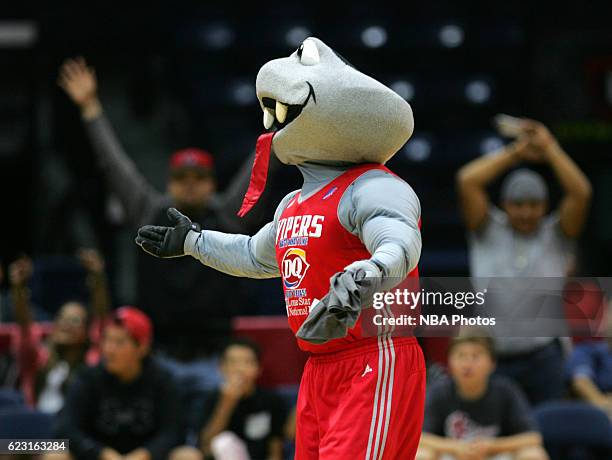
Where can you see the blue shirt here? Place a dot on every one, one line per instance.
(593, 360)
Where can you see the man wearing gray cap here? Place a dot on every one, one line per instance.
(521, 240)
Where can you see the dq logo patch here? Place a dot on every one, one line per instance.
(294, 267)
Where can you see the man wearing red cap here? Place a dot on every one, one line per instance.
(127, 406)
(183, 301)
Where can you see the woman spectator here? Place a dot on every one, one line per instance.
(47, 366)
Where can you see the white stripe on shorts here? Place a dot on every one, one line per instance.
(383, 394)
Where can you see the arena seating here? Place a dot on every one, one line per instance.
(25, 423)
(573, 430)
(10, 398)
(282, 361)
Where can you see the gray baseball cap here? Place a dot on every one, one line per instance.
(524, 185)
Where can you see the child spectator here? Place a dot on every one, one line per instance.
(126, 407)
(474, 415)
(239, 416)
(47, 367)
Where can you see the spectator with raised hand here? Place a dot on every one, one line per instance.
(190, 307)
(126, 407)
(474, 415)
(46, 367)
(522, 241)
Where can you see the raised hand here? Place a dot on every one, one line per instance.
(20, 271)
(166, 242)
(91, 260)
(79, 82)
(538, 135)
(525, 150)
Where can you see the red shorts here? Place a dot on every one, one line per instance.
(366, 402)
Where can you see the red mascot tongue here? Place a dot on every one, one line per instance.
(259, 173)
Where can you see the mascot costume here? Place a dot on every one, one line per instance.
(353, 228)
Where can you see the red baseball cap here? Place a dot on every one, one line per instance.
(191, 158)
(136, 323)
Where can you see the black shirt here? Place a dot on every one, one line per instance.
(501, 411)
(101, 411)
(191, 306)
(256, 420)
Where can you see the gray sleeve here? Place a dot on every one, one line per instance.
(137, 196)
(239, 255)
(383, 212)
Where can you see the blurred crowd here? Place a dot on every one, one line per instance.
(143, 382)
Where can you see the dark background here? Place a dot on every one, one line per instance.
(174, 74)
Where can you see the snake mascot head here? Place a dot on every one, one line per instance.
(320, 109)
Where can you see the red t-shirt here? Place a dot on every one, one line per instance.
(311, 246)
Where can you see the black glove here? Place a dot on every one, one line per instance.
(166, 241)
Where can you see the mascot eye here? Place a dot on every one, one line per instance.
(308, 53)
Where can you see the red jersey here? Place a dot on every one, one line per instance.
(311, 246)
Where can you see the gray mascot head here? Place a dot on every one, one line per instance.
(320, 109)
(324, 110)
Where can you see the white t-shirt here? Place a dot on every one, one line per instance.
(498, 251)
(51, 398)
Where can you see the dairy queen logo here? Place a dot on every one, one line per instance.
(294, 267)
